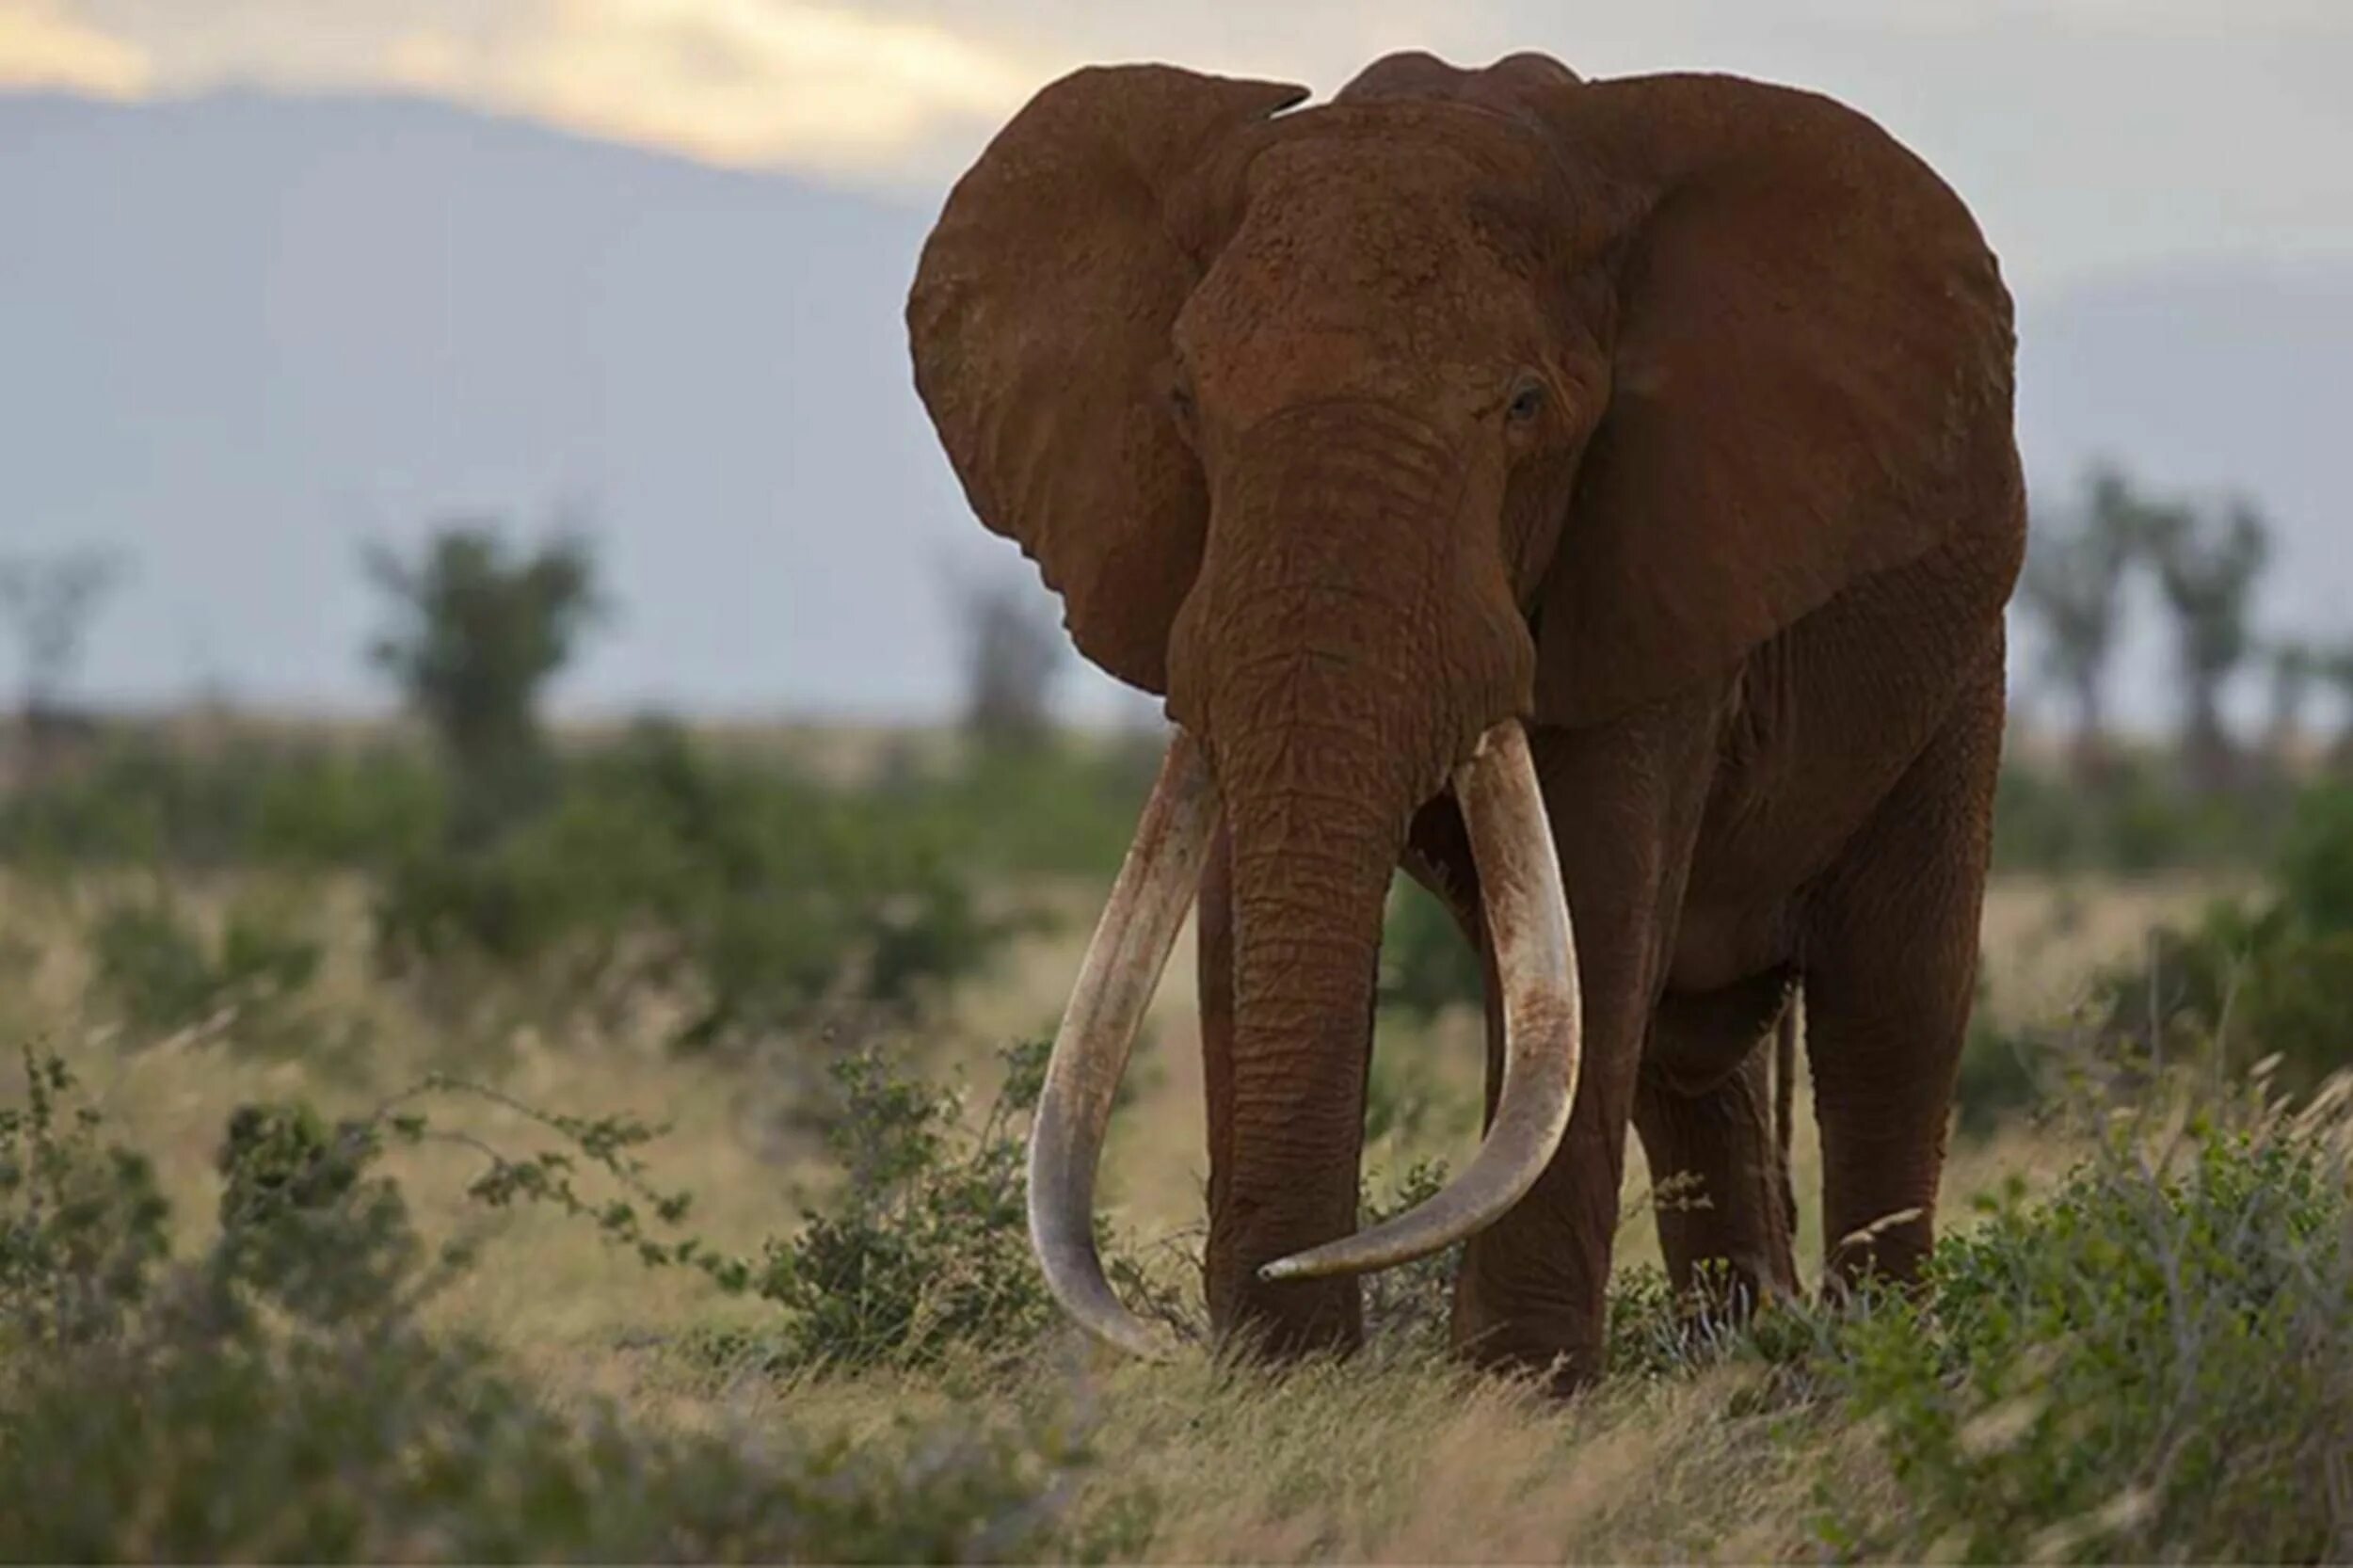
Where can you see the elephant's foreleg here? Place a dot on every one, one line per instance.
(1704, 1107)
(1624, 806)
(1891, 967)
(1213, 940)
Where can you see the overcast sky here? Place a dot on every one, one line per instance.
(2088, 134)
(2100, 142)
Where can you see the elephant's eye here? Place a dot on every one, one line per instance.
(1527, 402)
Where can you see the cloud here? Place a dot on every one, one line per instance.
(732, 81)
(42, 46)
(880, 91)
(2089, 133)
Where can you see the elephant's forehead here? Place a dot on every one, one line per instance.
(1400, 207)
(1339, 268)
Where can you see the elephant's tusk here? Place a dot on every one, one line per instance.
(1116, 982)
(1528, 920)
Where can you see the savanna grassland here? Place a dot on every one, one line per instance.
(638, 1179)
(459, 1141)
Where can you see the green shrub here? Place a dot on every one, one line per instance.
(926, 1251)
(2297, 1015)
(304, 1221)
(1650, 1332)
(2254, 983)
(2002, 1073)
(2143, 817)
(1409, 1104)
(83, 1228)
(2263, 982)
(145, 801)
(149, 961)
(762, 898)
(2315, 867)
(278, 1396)
(157, 972)
(1411, 1303)
(362, 810)
(1648, 1335)
(2151, 1363)
(1065, 807)
(1426, 965)
(2236, 987)
(182, 1445)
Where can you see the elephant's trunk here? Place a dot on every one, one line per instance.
(1312, 658)
(1315, 829)
(1526, 912)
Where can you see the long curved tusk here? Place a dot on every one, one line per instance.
(1116, 982)
(1528, 920)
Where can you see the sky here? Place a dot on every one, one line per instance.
(2099, 142)
(2091, 134)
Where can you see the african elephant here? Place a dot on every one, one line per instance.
(1599, 497)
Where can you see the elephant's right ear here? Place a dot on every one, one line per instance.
(1039, 321)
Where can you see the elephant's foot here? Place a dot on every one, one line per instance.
(1559, 1367)
(1881, 1254)
(1554, 1341)
(1283, 1322)
(1531, 1297)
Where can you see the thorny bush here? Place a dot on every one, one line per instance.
(278, 1394)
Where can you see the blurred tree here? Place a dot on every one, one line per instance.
(478, 631)
(2071, 586)
(1014, 657)
(49, 603)
(2295, 665)
(2334, 668)
(2208, 568)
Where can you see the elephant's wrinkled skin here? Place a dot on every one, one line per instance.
(1670, 416)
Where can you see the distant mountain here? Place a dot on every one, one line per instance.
(240, 334)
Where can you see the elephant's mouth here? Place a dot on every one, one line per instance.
(1527, 916)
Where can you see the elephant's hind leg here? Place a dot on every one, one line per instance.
(1891, 965)
(1720, 1171)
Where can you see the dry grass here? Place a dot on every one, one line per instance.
(1388, 1459)
(2044, 937)
(1410, 1464)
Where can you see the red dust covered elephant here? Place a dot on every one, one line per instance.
(1600, 498)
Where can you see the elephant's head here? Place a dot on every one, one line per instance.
(1368, 431)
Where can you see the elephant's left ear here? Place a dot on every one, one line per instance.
(1039, 323)
(1811, 382)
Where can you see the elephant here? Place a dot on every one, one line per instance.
(1599, 498)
